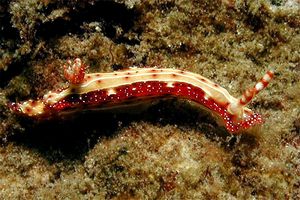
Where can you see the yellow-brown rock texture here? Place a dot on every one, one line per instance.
(171, 150)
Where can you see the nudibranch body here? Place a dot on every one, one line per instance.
(100, 90)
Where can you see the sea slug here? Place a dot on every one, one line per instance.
(105, 90)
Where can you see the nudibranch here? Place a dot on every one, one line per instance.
(104, 90)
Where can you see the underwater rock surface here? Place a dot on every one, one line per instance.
(171, 149)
